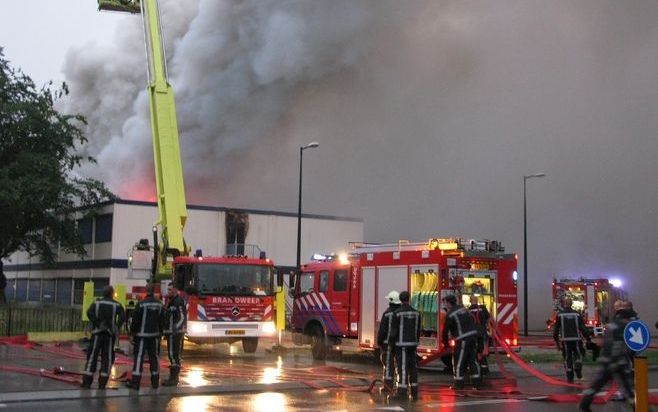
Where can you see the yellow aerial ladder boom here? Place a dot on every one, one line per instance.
(164, 130)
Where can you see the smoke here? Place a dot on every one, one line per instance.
(428, 115)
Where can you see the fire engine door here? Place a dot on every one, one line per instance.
(425, 298)
(367, 330)
(337, 295)
(389, 278)
(590, 305)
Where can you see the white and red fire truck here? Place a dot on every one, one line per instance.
(342, 297)
(593, 298)
(230, 298)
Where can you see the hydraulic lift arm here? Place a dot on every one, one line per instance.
(164, 129)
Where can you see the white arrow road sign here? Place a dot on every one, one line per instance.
(636, 336)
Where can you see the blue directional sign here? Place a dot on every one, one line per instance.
(636, 336)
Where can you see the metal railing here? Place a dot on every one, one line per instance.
(19, 319)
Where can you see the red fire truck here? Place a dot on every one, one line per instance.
(230, 298)
(343, 297)
(593, 298)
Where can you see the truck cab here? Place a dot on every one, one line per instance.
(325, 303)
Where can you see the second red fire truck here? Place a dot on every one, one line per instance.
(593, 298)
(342, 297)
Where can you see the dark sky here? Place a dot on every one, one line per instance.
(428, 115)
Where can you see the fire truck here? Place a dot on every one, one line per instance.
(593, 298)
(342, 298)
(230, 298)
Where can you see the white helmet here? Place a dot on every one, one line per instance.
(393, 297)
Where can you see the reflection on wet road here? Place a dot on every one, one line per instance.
(223, 378)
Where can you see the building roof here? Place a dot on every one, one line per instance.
(119, 201)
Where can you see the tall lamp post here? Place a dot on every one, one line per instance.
(525, 253)
(299, 210)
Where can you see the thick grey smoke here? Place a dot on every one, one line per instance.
(428, 115)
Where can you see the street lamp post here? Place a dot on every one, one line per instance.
(525, 253)
(299, 210)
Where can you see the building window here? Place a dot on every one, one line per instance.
(79, 288)
(324, 281)
(21, 290)
(103, 228)
(10, 290)
(63, 295)
(34, 290)
(99, 285)
(48, 291)
(85, 229)
(340, 281)
(78, 291)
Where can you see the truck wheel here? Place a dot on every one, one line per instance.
(318, 344)
(249, 345)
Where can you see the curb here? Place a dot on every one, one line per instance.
(42, 337)
(78, 394)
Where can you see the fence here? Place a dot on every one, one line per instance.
(19, 319)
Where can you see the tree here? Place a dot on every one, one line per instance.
(40, 193)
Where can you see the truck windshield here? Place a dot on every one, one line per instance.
(230, 279)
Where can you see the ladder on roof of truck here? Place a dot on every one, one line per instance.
(446, 244)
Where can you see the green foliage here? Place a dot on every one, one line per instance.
(39, 152)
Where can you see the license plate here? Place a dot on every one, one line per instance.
(234, 332)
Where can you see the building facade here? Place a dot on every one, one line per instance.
(112, 233)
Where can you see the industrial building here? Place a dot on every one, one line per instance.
(110, 235)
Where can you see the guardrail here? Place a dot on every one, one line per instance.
(19, 319)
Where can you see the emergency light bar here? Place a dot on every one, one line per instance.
(343, 258)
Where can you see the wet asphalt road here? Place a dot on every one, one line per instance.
(226, 379)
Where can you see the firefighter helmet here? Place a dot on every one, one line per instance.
(393, 297)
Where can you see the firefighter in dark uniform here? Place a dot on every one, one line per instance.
(481, 317)
(384, 343)
(614, 360)
(175, 328)
(405, 334)
(568, 331)
(459, 324)
(106, 316)
(146, 329)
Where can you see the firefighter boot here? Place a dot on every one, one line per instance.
(414, 391)
(173, 377)
(477, 383)
(155, 381)
(400, 395)
(102, 382)
(134, 382)
(86, 381)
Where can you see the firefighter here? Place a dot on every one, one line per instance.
(624, 308)
(405, 333)
(106, 317)
(459, 324)
(175, 328)
(614, 361)
(481, 317)
(384, 343)
(146, 329)
(568, 331)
